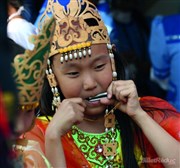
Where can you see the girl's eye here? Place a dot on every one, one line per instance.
(100, 67)
(72, 74)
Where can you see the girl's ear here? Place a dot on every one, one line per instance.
(114, 47)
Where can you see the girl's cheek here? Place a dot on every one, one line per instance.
(71, 89)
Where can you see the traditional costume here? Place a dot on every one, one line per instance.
(161, 111)
(28, 72)
(78, 26)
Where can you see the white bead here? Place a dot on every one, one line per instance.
(47, 72)
(75, 55)
(48, 61)
(58, 99)
(89, 51)
(109, 46)
(80, 54)
(62, 59)
(50, 71)
(114, 74)
(66, 57)
(84, 52)
(56, 90)
(106, 129)
(70, 56)
(52, 89)
(111, 55)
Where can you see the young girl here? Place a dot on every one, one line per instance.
(28, 73)
(97, 118)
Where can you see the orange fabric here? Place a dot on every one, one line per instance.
(38, 133)
(74, 157)
(162, 112)
(33, 156)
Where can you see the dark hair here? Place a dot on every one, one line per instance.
(15, 3)
(125, 123)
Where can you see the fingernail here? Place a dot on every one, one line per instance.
(109, 96)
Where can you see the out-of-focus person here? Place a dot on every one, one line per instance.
(130, 34)
(164, 48)
(28, 71)
(18, 28)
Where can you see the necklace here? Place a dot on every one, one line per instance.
(91, 145)
(101, 149)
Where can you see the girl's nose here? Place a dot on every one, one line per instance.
(89, 82)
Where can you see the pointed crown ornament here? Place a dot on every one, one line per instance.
(29, 68)
(78, 25)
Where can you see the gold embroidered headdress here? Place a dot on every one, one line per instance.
(78, 26)
(29, 68)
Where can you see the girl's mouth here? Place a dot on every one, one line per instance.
(97, 97)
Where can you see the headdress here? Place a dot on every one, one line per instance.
(29, 68)
(78, 26)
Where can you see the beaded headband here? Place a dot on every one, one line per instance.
(29, 68)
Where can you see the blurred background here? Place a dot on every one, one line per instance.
(163, 7)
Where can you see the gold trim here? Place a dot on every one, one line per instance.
(28, 106)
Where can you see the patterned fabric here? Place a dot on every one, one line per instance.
(161, 111)
(31, 155)
(91, 146)
(28, 68)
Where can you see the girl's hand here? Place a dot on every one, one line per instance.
(124, 91)
(69, 112)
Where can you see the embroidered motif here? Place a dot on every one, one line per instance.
(91, 144)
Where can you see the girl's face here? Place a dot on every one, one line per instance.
(23, 122)
(85, 77)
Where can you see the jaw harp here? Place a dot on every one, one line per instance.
(97, 97)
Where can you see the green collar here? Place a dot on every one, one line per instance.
(91, 146)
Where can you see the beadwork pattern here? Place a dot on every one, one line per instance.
(90, 145)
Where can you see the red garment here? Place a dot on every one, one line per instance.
(168, 118)
(74, 157)
(4, 125)
(162, 112)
